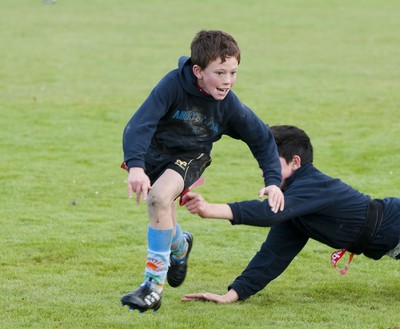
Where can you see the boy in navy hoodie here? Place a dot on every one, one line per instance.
(167, 145)
(316, 207)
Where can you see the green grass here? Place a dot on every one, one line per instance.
(72, 74)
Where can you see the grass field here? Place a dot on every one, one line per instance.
(71, 75)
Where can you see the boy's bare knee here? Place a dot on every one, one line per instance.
(152, 201)
(157, 200)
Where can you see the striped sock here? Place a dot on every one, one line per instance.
(179, 244)
(159, 248)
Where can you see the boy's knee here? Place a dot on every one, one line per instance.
(158, 199)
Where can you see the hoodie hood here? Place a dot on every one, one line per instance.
(187, 77)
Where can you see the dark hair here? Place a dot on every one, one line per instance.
(292, 141)
(208, 45)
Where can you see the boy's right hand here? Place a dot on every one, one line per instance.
(139, 183)
(195, 203)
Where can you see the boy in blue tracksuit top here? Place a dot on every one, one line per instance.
(316, 207)
(167, 145)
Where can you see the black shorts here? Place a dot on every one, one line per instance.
(189, 165)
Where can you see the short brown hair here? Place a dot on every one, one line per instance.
(208, 45)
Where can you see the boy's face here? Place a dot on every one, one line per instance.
(217, 78)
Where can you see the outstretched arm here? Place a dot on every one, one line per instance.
(196, 204)
(283, 243)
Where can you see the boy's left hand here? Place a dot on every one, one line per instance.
(276, 199)
(230, 297)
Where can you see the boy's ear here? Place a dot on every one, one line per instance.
(197, 71)
(296, 161)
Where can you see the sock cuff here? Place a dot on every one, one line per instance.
(159, 240)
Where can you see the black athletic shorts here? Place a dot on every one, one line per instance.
(189, 165)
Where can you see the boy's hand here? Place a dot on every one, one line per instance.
(139, 183)
(230, 297)
(276, 199)
(195, 203)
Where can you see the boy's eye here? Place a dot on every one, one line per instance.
(220, 74)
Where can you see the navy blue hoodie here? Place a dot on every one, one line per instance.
(177, 118)
(318, 207)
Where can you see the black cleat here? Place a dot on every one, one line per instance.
(143, 298)
(177, 269)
